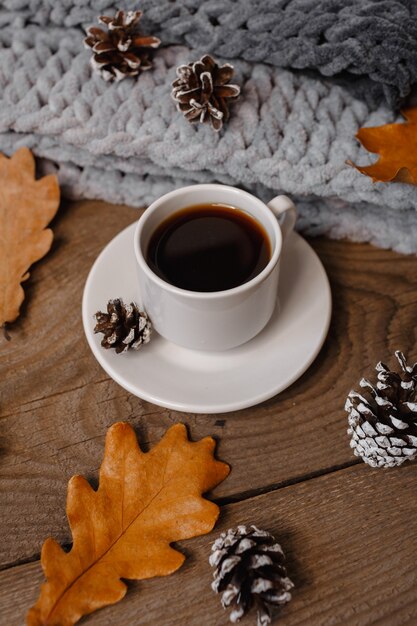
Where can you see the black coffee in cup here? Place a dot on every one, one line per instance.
(208, 247)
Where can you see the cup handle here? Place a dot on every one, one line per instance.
(284, 210)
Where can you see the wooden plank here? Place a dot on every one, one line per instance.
(350, 539)
(57, 403)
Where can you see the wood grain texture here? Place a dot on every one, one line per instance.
(57, 403)
(350, 542)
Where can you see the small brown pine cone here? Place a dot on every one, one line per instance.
(383, 419)
(250, 571)
(123, 326)
(120, 51)
(203, 93)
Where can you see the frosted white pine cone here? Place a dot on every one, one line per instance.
(383, 419)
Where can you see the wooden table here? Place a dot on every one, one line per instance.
(349, 531)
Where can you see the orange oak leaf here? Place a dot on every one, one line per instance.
(27, 205)
(124, 529)
(397, 146)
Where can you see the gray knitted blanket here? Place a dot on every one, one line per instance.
(126, 142)
(375, 40)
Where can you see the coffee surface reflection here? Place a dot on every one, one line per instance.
(208, 247)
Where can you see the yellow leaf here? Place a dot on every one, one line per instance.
(397, 146)
(123, 530)
(27, 205)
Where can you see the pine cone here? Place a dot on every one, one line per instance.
(121, 51)
(250, 571)
(383, 421)
(123, 326)
(202, 91)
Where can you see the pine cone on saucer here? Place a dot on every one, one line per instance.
(120, 51)
(249, 572)
(383, 419)
(202, 91)
(123, 326)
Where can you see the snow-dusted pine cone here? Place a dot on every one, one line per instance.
(203, 92)
(123, 326)
(120, 51)
(383, 419)
(250, 571)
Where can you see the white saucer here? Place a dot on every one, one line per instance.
(214, 382)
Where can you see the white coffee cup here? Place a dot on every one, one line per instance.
(216, 320)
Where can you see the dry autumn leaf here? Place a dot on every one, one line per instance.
(27, 205)
(123, 530)
(397, 146)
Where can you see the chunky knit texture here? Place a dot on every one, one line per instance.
(376, 39)
(126, 142)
